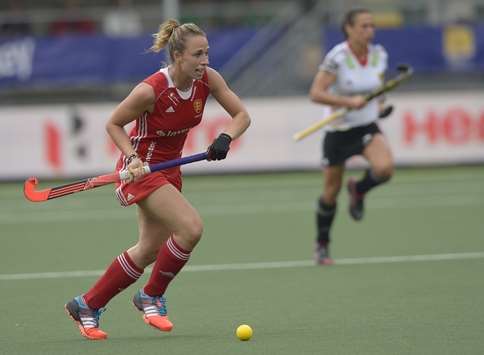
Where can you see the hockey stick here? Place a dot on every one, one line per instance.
(34, 195)
(405, 72)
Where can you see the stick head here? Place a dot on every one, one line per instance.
(404, 69)
(31, 194)
(387, 111)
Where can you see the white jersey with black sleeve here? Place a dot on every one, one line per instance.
(355, 78)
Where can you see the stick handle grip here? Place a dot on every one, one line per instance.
(124, 174)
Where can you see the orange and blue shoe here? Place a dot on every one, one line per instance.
(87, 319)
(154, 310)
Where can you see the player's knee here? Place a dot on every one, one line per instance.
(383, 172)
(193, 229)
(331, 192)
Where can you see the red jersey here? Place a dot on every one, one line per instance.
(160, 135)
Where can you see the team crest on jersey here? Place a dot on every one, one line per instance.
(197, 105)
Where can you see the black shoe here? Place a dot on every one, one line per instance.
(321, 255)
(357, 206)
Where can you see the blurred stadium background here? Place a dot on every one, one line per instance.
(65, 64)
(407, 280)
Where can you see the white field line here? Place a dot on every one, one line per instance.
(260, 265)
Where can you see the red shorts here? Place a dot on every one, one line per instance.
(136, 191)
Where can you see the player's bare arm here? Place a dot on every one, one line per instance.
(140, 100)
(319, 93)
(230, 102)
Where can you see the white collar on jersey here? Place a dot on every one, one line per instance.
(185, 95)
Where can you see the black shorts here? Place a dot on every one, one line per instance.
(338, 146)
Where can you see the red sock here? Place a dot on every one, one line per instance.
(120, 274)
(170, 260)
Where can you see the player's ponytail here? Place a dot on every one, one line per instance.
(165, 31)
(173, 35)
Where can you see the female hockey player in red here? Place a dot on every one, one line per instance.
(165, 106)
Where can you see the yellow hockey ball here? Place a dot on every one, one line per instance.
(244, 332)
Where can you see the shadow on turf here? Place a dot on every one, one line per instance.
(144, 338)
(116, 340)
(163, 337)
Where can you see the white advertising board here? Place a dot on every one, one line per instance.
(58, 141)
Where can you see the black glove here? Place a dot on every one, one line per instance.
(387, 111)
(219, 148)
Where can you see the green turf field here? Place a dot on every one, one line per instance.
(408, 279)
